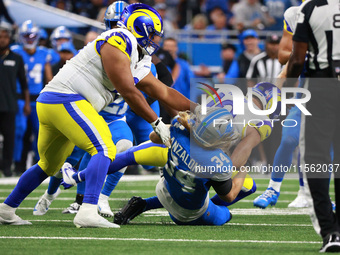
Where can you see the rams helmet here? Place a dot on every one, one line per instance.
(144, 23)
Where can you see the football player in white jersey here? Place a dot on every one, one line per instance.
(117, 62)
(187, 202)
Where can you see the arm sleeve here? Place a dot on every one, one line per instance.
(222, 188)
(22, 75)
(233, 70)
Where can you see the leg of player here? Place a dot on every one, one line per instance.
(122, 138)
(215, 215)
(53, 190)
(148, 153)
(249, 187)
(135, 207)
(282, 161)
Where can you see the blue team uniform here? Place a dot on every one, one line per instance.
(35, 69)
(184, 191)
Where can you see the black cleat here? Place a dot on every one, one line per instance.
(132, 209)
(331, 243)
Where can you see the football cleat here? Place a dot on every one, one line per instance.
(333, 206)
(331, 243)
(300, 201)
(269, 197)
(72, 209)
(132, 209)
(8, 216)
(44, 203)
(104, 206)
(88, 217)
(67, 171)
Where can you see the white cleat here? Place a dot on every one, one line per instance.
(88, 217)
(8, 216)
(104, 206)
(44, 203)
(300, 201)
(72, 209)
(67, 171)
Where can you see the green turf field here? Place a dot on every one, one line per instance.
(252, 231)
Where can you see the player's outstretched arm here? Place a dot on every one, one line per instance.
(285, 47)
(156, 89)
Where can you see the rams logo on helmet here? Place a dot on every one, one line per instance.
(144, 23)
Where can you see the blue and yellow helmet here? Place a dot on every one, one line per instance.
(29, 34)
(113, 13)
(264, 92)
(144, 23)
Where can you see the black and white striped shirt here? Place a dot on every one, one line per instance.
(263, 68)
(318, 24)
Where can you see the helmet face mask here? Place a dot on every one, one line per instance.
(29, 35)
(144, 23)
(113, 13)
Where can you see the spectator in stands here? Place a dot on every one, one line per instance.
(219, 20)
(168, 26)
(250, 41)
(185, 11)
(265, 66)
(249, 14)
(276, 9)
(230, 70)
(199, 22)
(181, 73)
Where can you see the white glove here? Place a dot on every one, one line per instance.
(162, 131)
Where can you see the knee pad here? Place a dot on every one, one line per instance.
(123, 145)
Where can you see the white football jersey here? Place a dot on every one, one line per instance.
(290, 19)
(84, 74)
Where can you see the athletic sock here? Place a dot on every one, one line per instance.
(95, 176)
(275, 185)
(111, 183)
(28, 182)
(53, 185)
(152, 203)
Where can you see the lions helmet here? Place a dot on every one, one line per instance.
(144, 23)
(215, 129)
(113, 13)
(264, 92)
(29, 34)
(59, 33)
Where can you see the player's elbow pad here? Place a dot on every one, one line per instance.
(164, 74)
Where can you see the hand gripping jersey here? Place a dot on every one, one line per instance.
(262, 123)
(84, 74)
(184, 190)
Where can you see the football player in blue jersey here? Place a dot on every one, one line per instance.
(59, 36)
(183, 190)
(38, 68)
(178, 183)
(116, 63)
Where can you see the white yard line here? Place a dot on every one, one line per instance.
(156, 240)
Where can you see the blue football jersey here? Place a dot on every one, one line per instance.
(35, 68)
(191, 168)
